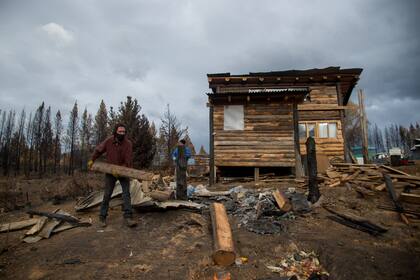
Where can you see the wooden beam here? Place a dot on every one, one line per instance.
(298, 158)
(181, 174)
(224, 253)
(256, 174)
(211, 145)
(121, 171)
(363, 125)
(410, 198)
(324, 107)
(343, 126)
(314, 194)
(394, 170)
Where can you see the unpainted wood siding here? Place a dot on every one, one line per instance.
(267, 138)
(321, 95)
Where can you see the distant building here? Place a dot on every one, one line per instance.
(415, 150)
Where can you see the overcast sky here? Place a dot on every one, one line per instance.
(160, 51)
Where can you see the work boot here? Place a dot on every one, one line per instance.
(102, 222)
(129, 222)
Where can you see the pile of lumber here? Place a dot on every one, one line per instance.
(366, 178)
(44, 225)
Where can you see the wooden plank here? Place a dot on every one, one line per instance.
(122, 171)
(404, 177)
(256, 174)
(394, 170)
(410, 198)
(224, 253)
(38, 226)
(17, 225)
(282, 201)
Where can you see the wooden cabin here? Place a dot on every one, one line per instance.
(260, 121)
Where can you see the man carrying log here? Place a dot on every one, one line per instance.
(119, 151)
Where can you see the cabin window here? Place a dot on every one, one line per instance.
(332, 130)
(327, 130)
(302, 131)
(317, 129)
(323, 130)
(233, 117)
(306, 130)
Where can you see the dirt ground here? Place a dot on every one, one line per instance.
(177, 244)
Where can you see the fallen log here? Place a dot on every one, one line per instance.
(282, 201)
(356, 222)
(17, 225)
(224, 253)
(160, 195)
(122, 171)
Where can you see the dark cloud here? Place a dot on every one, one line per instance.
(160, 51)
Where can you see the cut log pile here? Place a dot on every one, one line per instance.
(367, 178)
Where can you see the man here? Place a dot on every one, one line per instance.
(119, 151)
(181, 169)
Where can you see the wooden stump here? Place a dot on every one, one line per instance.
(224, 253)
(181, 174)
(314, 194)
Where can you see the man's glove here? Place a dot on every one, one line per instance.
(89, 164)
(115, 174)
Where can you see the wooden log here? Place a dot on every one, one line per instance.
(282, 201)
(314, 194)
(224, 253)
(17, 225)
(356, 222)
(393, 197)
(181, 174)
(160, 195)
(122, 171)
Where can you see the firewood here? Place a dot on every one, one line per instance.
(122, 171)
(282, 201)
(224, 253)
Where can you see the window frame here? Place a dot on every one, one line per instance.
(316, 124)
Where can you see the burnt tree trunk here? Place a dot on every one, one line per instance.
(181, 174)
(312, 170)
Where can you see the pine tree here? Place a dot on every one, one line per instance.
(47, 140)
(85, 138)
(58, 130)
(7, 139)
(72, 135)
(138, 131)
(101, 124)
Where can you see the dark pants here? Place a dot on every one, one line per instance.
(109, 188)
